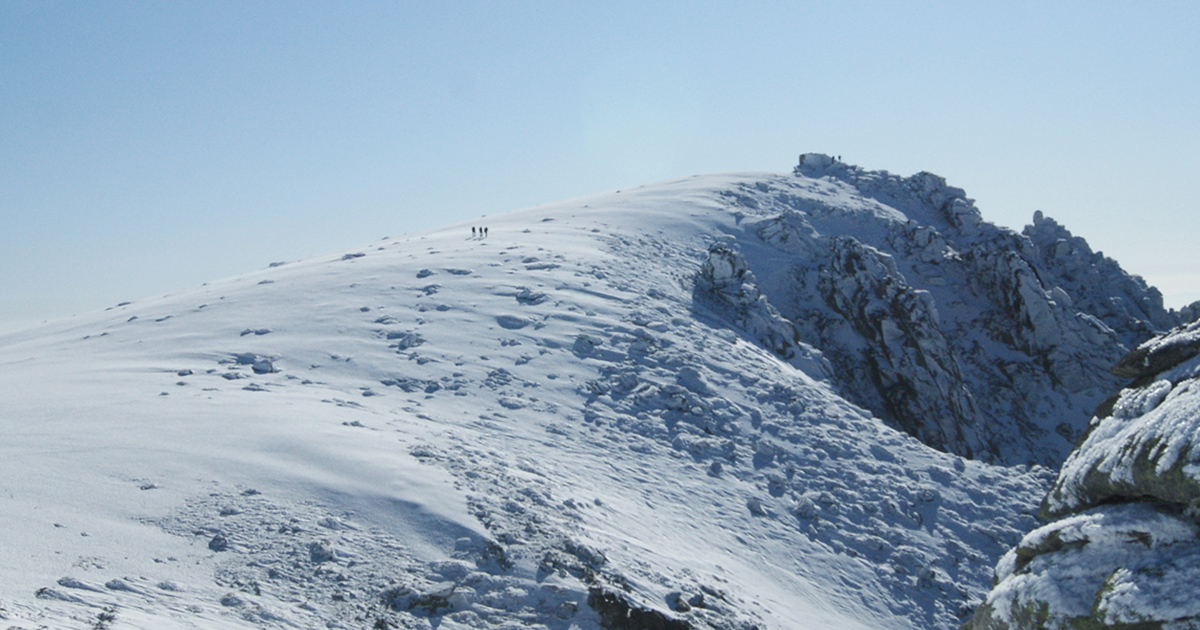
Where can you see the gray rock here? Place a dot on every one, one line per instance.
(1125, 552)
(1122, 567)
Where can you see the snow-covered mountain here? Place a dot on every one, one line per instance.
(732, 401)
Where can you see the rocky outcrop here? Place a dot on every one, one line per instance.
(726, 286)
(976, 339)
(1040, 321)
(1125, 552)
(1097, 283)
(909, 362)
(1145, 444)
(617, 614)
(1127, 567)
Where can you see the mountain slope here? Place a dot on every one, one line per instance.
(616, 411)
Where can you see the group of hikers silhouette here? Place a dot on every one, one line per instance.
(481, 232)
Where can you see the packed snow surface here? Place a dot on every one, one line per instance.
(572, 421)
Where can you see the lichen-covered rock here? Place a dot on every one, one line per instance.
(1146, 442)
(1126, 550)
(1129, 566)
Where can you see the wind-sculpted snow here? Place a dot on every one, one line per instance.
(653, 408)
(1126, 552)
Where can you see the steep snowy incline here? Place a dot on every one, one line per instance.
(593, 418)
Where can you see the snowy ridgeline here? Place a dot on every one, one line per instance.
(1126, 550)
(689, 405)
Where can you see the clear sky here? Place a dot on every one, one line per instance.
(148, 147)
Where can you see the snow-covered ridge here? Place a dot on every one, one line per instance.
(626, 406)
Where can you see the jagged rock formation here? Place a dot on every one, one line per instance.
(1068, 262)
(727, 285)
(1126, 550)
(976, 339)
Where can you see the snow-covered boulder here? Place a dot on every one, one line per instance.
(1128, 566)
(1126, 550)
(1145, 443)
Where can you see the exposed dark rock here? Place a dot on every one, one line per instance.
(616, 614)
(1151, 358)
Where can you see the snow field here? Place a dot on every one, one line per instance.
(459, 432)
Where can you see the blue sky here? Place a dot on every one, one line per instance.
(149, 147)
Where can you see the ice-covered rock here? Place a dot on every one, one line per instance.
(1145, 442)
(1126, 566)
(1125, 552)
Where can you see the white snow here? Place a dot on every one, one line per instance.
(467, 432)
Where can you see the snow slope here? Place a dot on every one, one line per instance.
(594, 417)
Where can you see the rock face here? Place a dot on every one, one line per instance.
(728, 286)
(1068, 262)
(976, 339)
(1126, 550)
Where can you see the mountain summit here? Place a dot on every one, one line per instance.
(833, 396)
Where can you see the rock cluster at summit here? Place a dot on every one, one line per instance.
(976, 339)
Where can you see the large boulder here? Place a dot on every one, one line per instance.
(1130, 566)
(1125, 552)
(1145, 442)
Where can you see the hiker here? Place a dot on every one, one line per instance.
(472, 230)
(484, 232)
